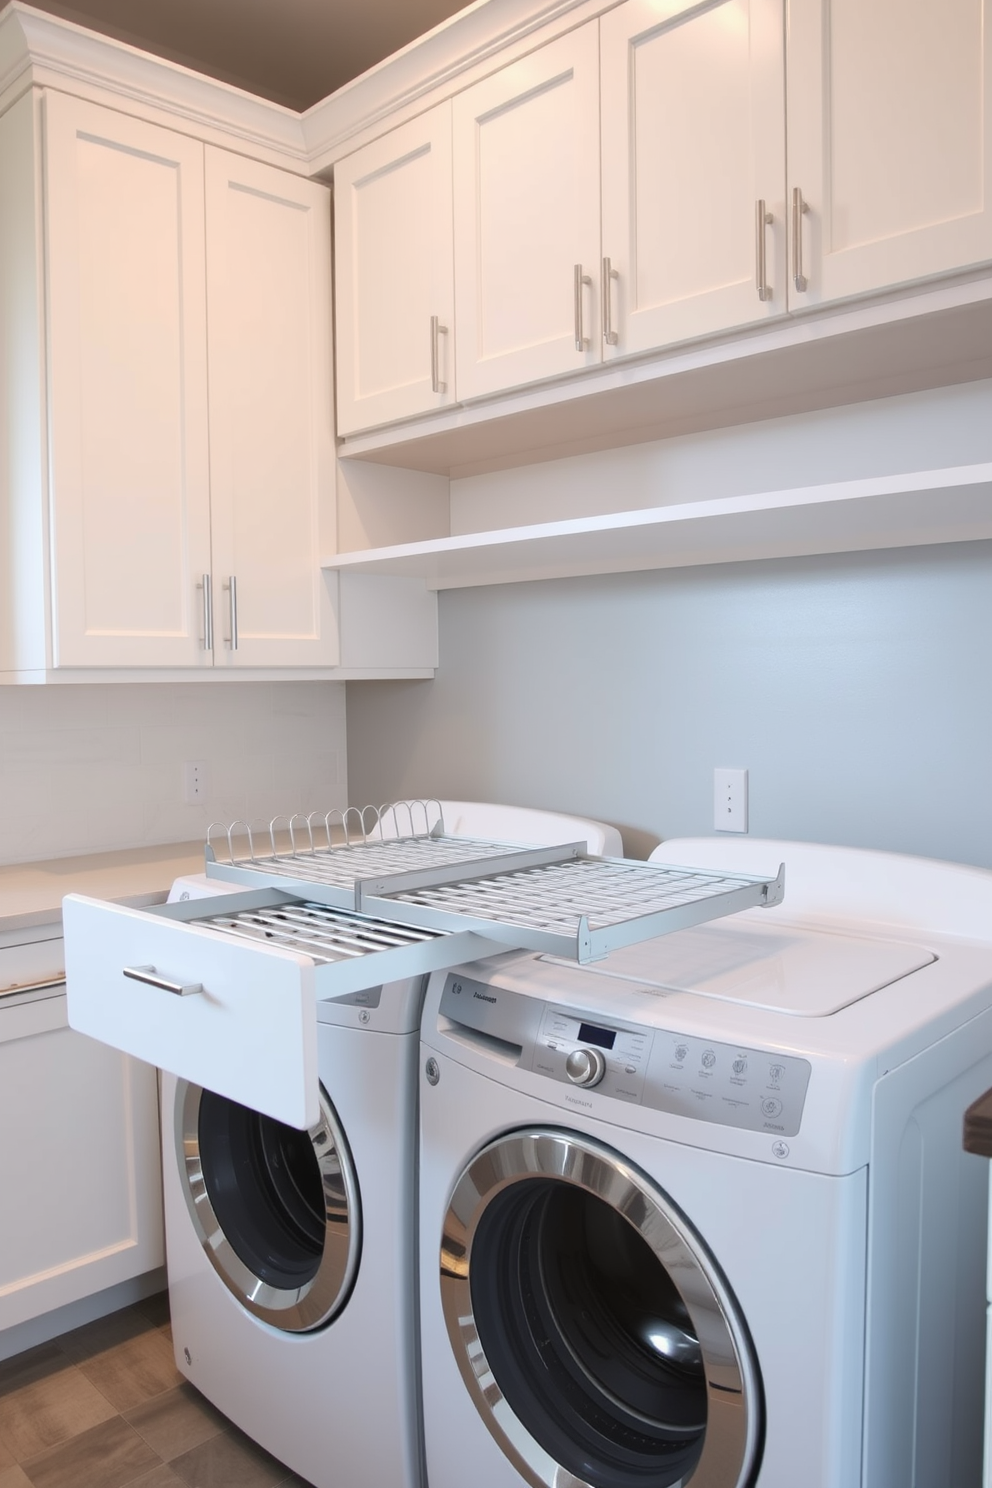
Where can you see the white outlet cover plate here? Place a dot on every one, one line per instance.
(729, 800)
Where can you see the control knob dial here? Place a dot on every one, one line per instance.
(585, 1066)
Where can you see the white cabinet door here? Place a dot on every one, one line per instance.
(79, 1169)
(271, 413)
(693, 139)
(890, 141)
(394, 275)
(128, 388)
(526, 208)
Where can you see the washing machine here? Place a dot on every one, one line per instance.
(290, 1252)
(289, 1129)
(697, 1213)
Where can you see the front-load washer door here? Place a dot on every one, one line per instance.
(277, 1210)
(595, 1334)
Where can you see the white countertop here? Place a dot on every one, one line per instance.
(31, 893)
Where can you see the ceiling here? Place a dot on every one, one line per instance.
(294, 52)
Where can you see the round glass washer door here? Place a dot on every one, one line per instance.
(595, 1334)
(276, 1210)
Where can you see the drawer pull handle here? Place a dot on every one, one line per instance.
(149, 975)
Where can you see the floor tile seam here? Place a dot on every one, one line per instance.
(219, 1431)
(111, 1385)
(25, 1465)
(146, 1473)
(148, 1400)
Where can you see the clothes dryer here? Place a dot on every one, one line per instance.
(698, 1213)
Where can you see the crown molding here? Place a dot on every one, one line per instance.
(434, 62)
(35, 47)
(44, 50)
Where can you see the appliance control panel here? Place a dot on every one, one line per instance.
(727, 1083)
(704, 1079)
(570, 1048)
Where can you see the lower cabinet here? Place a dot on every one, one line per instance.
(80, 1169)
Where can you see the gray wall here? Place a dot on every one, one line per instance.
(856, 689)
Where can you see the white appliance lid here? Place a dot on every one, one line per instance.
(785, 969)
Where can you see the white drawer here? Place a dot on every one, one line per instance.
(249, 1034)
(240, 1018)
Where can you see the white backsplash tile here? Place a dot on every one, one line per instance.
(92, 768)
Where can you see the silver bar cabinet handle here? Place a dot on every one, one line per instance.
(798, 208)
(437, 329)
(47, 984)
(208, 614)
(762, 219)
(609, 274)
(581, 341)
(151, 978)
(232, 587)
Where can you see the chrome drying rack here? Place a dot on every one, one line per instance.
(395, 863)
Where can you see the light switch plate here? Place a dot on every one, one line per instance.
(730, 800)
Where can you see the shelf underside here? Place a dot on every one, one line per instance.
(933, 338)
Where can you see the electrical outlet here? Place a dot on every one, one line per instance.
(730, 800)
(195, 782)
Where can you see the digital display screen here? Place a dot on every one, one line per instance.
(590, 1034)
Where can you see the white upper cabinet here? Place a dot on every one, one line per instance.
(187, 507)
(271, 429)
(128, 389)
(890, 142)
(394, 275)
(693, 104)
(526, 212)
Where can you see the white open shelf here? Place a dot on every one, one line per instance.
(925, 506)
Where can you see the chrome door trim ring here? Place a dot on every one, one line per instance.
(292, 1310)
(732, 1437)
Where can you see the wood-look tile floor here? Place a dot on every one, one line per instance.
(105, 1407)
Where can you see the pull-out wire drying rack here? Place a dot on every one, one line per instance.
(396, 864)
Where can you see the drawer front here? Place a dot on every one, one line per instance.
(37, 963)
(249, 1032)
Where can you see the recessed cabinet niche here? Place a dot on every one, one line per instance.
(185, 302)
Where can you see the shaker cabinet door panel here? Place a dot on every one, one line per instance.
(693, 138)
(394, 275)
(271, 429)
(890, 141)
(526, 208)
(128, 381)
(82, 1181)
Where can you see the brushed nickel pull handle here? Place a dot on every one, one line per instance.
(581, 341)
(208, 613)
(798, 208)
(232, 587)
(609, 274)
(437, 329)
(762, 219)
(151, 978)
(47, 984)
